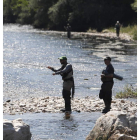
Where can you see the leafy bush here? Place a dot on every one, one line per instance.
(128, 92)
(134, 6)
(134, 32)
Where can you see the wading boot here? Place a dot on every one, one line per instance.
(105, 110)
(63, 110)
(67, 114)
(107, 106)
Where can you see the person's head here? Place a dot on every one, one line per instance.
(107, 60)
(117, 21)
(63, 59)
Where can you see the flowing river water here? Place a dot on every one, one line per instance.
(26, 54)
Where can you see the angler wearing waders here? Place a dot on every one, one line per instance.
(68, 29)
(66, 71)
(117, 26)
(107, 85)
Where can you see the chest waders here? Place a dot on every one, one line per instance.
(106, 88)
(117, 29)
(106, 94)
(68, 84)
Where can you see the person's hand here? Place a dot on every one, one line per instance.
(49, 67)
(102, 75)
(53, 74)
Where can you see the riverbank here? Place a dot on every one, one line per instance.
(130, 30)
(55, 104)
(87, 35)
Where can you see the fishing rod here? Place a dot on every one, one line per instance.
(23, 65)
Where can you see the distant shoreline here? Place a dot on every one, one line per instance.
(85, 35)
(108, 35)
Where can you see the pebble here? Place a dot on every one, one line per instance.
(8, 101)
(122, 101)
(55, 104)
(22, 105)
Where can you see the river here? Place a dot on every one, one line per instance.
(26, 54)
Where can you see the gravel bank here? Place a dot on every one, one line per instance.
(54, 104)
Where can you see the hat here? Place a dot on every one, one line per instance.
(107, 58)
(63, 58)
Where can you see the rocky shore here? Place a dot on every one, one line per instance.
(55, 104)
(91, 35)
(115, 125)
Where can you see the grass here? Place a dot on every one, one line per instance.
(130, 29)
(128, 92)
(90, 30)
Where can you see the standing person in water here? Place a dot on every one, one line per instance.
(66, 71)
(68, 29)
(107, 84)
(117, 27)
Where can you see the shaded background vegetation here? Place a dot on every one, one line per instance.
(81, 14)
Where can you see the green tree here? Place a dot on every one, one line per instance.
(134, 6)
(18, 6)
(40, 7)
(7, 12)
(59, 14)
(99, 14)
(81, 14)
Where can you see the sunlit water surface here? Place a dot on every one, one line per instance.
(26, 54)
(54, 126)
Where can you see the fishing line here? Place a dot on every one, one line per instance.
(22, 65)
(66, 48)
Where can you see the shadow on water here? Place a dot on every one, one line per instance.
(55, 126)
(117, 46)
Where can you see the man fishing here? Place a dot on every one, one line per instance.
(68, 29)
(107, 85)
(66, 71)
(117, 27)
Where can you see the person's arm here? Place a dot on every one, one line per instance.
(65, 27)
(110, 72)
(65, 70)
(51, 68)
(107, 76)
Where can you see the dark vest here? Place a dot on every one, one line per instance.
(64, 75)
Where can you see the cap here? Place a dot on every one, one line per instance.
(107, 58)
(63, 58)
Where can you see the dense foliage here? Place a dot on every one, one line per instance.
(81, 14)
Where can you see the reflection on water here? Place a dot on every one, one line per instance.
(54, 125)
(27, 53)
